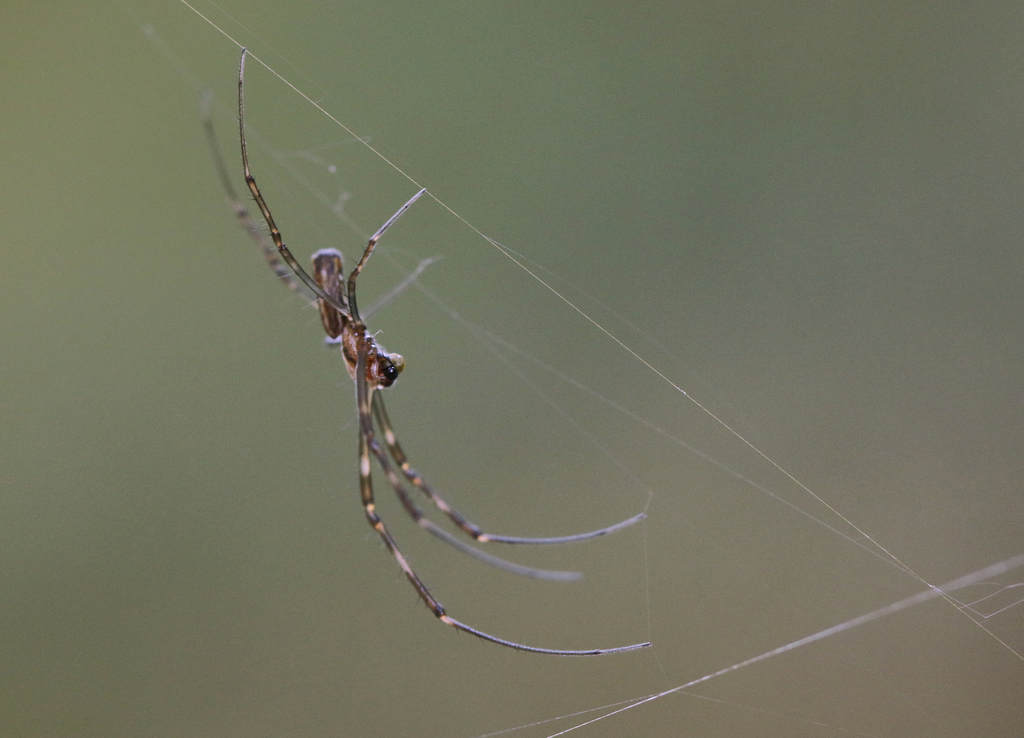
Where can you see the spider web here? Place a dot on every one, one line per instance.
(827, 529)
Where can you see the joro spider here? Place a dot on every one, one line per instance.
(373, 369)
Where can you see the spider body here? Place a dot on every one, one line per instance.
(382, 368)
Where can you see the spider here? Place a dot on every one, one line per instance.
(373, 369)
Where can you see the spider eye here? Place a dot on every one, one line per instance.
(389, 366)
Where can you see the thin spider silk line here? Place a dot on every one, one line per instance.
(929, 594)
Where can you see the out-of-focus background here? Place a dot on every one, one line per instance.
(807, 216)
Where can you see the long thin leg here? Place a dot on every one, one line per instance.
(270, 252)
(275, 233)
(471, 528)
(367, 444)
(369, 249)
(498, 563)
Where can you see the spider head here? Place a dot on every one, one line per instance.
(387, 369)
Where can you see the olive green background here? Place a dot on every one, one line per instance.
(806, 215)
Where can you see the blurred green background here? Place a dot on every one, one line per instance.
(806, 215)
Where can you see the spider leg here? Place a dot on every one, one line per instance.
(369, 249)
(248, 223)
(498, 563)
(468, 526)
(367, 444)
(275, 233)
